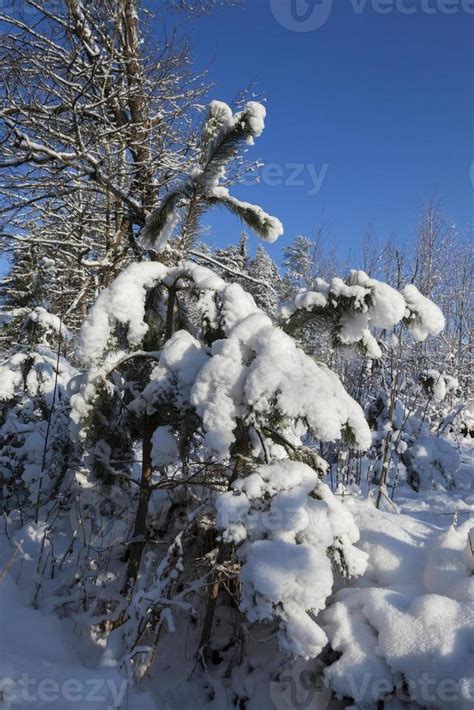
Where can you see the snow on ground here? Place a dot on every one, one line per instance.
(42, 662)
(406, 626)
(406, 629)
(40, 668)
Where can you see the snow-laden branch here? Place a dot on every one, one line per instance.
(353, 307)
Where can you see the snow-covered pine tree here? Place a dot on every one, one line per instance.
(233, 258)
(267, 290)
(229, 412)
(300, 263)
(31, 282)
(23, 286)
(227, 404)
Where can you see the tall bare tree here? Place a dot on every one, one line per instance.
(96, 125)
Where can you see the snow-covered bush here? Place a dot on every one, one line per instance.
(34, 416)
(432, 462)
(289, 527)
(464, 419)
(202, 427)
(376, 319)
(437, 384)
(417, 455)
(227, 408)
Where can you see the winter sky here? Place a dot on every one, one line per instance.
(370, 110)
(368, 114)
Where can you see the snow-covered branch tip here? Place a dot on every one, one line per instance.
(223, 137)
(352, 307)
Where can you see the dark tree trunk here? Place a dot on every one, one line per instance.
(139, 532)
(204, 643)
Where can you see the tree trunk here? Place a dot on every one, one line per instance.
(222, 556)
(139, 532)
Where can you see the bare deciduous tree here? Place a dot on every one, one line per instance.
(95, 125)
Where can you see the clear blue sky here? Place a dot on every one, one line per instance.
(384, 100)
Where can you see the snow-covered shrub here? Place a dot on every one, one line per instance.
(202, 425)
(417, 455)
(226, 407)
(289, 528)
(381, 322)
(431, 462)
(437, 384)
(34, 417)
(464, 419)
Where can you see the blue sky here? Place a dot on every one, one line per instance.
(384, 101)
